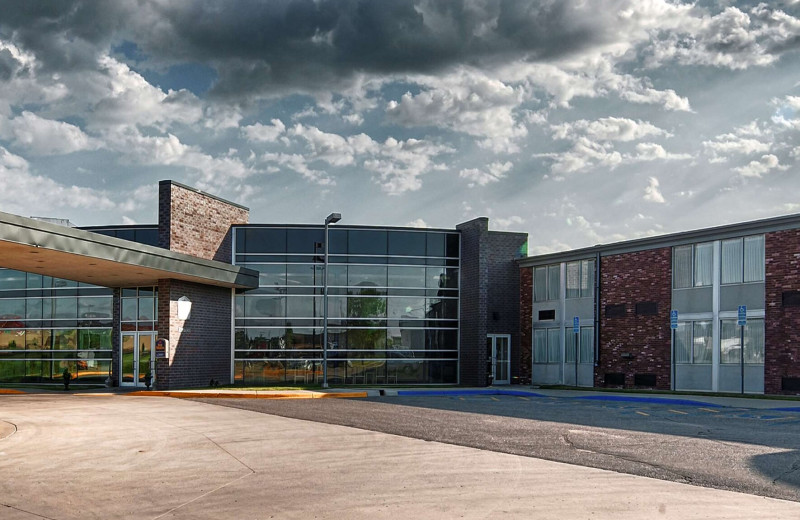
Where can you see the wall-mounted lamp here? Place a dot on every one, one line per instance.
(184, 308)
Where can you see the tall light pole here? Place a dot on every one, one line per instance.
(330, 219)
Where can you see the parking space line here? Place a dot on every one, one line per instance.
(678, 411)
(494, 398)
(524, 398)
(642, 413)
(709, 410)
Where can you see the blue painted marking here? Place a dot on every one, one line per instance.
(790, 409)
(654, 400)
(519, 393)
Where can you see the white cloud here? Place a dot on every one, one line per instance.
(729, 144)
(758, 168)
(48, 194)
(47, 137)
(607, 129)
(655, 152)
(417, 223)
(507, 223)
(493, 173)
(264, 133)
(652, 192)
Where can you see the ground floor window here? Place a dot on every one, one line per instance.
(547, 346)
(731, 339)
(693, 342)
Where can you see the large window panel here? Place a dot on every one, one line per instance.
(730, 342)
(683, 342)
(11, 279)
(540, 346)
(406, 277)
(304, 306)
(754, 259)
(570, 345)
(406, 308)
(303, 275)
(407, 243)
(265, 306)
(366, 242)
(754, 341)
(702, 342)
(366, 307)
(540, 284)
(65, 308)
(703, 264)
(366, 276)
(305, 241)
(682, 267)
(731, 261)
(269, 275)
(12, 308)
(553, 346)
(587, 345)
(553, 281)
(573, 280)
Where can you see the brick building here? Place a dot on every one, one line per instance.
(669, 312)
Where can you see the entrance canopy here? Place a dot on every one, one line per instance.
(74, 254)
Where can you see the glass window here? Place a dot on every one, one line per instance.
(265, 306)
(754, 259)
(441, 278)
(406, 308)
(309, 241)
(540, 346)
(407, 243)
(129, 311)
(587, 345)
(453, 245)
(337, 275)
(366, 339)
(12, 340)
(682, 267)
(37, 339)
(445, 309)
(540, 284)
(407, 277)
(94, 308)
(731, 261)
(703, 264)
(553, 346)
(260, 240)
(65, 308)
(304, 274)
(13, 307)
(569, 346)
(304, 307)
(702, 342)
(366, 307)
(366, 275)
(65, 339)
(94, 339)
(10, 279)
(366, 242)
(269, 274)
(573, 280)
(440, 339)
(435, 244)
(553, 277)
(730, 341)
(683, 342)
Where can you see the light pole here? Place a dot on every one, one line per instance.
(330, 219)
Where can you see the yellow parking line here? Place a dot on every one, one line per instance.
(709, 410)
(678, 411)
(642, 413)
(460, 398)
(524, 398)
(494, 398)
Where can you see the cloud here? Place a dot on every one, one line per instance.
(725, 145)
(652, 192)
(417, 223)
(42, 136)
(607, 129)
(761, 167)
(50, 195)
(506, 223)
(493, 173)
(655, 152)
(264, 133)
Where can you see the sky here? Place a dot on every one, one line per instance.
(578, 122)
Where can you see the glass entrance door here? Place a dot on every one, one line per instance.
(501, 357)
(136, 352)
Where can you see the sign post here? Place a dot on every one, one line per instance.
(576, 328)
(673, 324)
(742, 321)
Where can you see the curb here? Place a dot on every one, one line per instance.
(517, 393)
(231, 395)
(11, 392)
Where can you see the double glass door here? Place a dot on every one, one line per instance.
(500, 347)
(137, 350)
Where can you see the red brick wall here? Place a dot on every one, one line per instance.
(782, 324)
(630, 278)
(196, 223)
(525, 321)
(201, 351)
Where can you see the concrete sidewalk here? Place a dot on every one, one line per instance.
(111, 456)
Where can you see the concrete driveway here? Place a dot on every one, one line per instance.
(112, 456)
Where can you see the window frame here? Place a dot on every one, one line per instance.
(545, 294)
(693, 267)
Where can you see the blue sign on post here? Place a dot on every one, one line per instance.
(576, 325)
(742, 321)
(673, 319)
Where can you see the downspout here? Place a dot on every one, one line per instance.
(597, 310)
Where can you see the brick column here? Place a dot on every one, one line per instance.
(781, 324)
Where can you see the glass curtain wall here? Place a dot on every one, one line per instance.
(48, 325)
(392, 306)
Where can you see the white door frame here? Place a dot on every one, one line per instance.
(136, 335)
(494, 338)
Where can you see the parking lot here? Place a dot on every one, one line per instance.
(738, 448)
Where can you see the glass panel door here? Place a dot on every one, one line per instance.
(128, 359)
(145, 349)
(501, 357)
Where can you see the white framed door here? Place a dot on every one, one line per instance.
(500, 346)
(136, 351)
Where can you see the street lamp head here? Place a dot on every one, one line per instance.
(333, 218)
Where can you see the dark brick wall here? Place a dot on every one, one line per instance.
(196, 223)
(202, 350)
(489, 296)
(474, 298)
(781, 324)
(503, 315)
(526, 321)
(643, 276)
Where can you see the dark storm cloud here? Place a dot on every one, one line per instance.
(269, 46)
